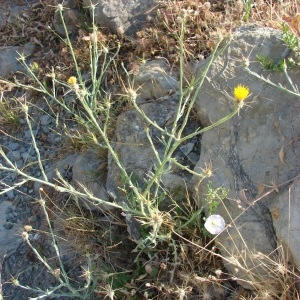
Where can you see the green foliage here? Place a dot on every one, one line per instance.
(290, 39)
(269, 64)
(9, 112)
(215, 196)
(145, 200)
(247, 7)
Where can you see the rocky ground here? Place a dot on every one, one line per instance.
(18, 205)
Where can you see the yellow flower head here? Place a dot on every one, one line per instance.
(241, 92)
(72, 80)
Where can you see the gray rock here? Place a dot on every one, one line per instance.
(46, 129)
(32, 152)
(85, 176)
(122, 16)
(8, 225)
(187, 148)
(13, 146)
(45, 120)
(285, 211)
(62, 166)
(255, 149)
(155, 80)
(15, 8)
(10, 194)
(71, 17)
(9, 210)
(27, 134)
(16, 154)
(9, 234)
(9, 63)
(19, 163)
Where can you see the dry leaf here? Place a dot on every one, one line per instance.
(275, 213)
(261, 188)
(295, 24)
(281, 155)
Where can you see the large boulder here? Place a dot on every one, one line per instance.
(255, 155)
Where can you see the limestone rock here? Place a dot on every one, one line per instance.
(254, 150)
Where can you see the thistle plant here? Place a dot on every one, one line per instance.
(92, 100)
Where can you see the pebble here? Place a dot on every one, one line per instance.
(27, 134)
(194, 158)
(28, 158)
(13, 146)
(8, 210)
(16, 154)
(45, 120)
(19, 163)
(8, 225)
(187, 148)
(10, 194)
(32, 151)
(46, 129)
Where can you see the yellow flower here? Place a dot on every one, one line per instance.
(241, 92)
(72, 80)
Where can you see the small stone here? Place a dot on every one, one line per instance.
(10, 194)
(27, 134)
(46, 129)
(187, 148)
(16, 154)
(13, 146)
(45, 120)
(25, 155)
(32, 152)
(8, 225)
(194, 158)
(8, 210)
(19, 163)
